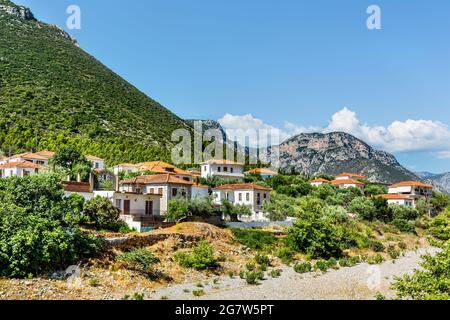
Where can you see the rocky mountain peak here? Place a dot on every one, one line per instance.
(20, 12)
(335, 152)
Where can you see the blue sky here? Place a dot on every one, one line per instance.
(263, 63)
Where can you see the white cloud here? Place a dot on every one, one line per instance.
(399, 136)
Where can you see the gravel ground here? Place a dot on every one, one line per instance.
(361, 282)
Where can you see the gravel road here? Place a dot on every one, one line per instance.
(361, 282)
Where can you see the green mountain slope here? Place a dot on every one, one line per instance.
(54, 93)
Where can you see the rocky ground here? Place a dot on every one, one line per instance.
(362, 281)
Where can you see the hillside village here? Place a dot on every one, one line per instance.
(142, 191)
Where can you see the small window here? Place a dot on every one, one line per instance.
(219, 169)
(152, 190)
(247, 196)
(265, 195)
(225, 169)
(174, 192)
(119, 203)
(97, 165)
(240, 196)
(161, 191)
(204, 168)
(231, 170)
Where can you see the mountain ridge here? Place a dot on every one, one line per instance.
(53, 93)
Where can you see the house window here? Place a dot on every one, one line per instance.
(138, 190)
(258, 198)
(152, 190)
(174, 192)
(160, 191)
(204, 168)
(40, 162)
(219, 169)
(225, 169)
(240, 196)
(265, 195)
(97, 165)
(231, 170)
(119, 203)
(247, 196)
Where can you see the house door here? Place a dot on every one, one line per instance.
(126, 207)
(148, 208)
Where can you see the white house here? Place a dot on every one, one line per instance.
(319, 181)
(223, 169)
(244, 194)
(97, 163)
(263, 172)
(349, 176)
(348, 183)
(399, 199)
(166, 185)
(414, 190)
(19, 169)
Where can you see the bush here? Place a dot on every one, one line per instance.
(178, 210)
(375, 259)
(303, 267)
(140, 260)
(440, 226)
(262, 260)
(102, 214)
(201, 257)
(336, 214)
(393, 252)
(285, 254)
(404, 213)
(431, 282)
(363, 207)
(404, 225)
(198, 293)
(201, 207)
(39, 227)
(321, 265)
(275, 273)
(377, 246)
(255, 239)
(315, 236)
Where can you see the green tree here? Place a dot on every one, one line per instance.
(363, 207)
(39, 227)
(178, 210)
(101, 213)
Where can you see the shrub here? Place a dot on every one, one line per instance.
(285, 254)
(404, 212)
(303, 267)
(332, 263)
(251, 277)
(440, 226)
(140, 260)
(201, 257)
(336, 214)
(255, 239)
(363, 207)
(375, 259)
(393, 252)
(178, 210)
(198, 293)
(201, 207)
(431, 282)
(404, 225)
(39, 227)
(262, 260)
(345, 262)
(377, 246)
(321, 265)
(315, 236)
(275, 273)
(101, 213)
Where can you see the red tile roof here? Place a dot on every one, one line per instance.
(321, 180)
(21, 164)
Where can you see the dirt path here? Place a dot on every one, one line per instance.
(363, 281)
